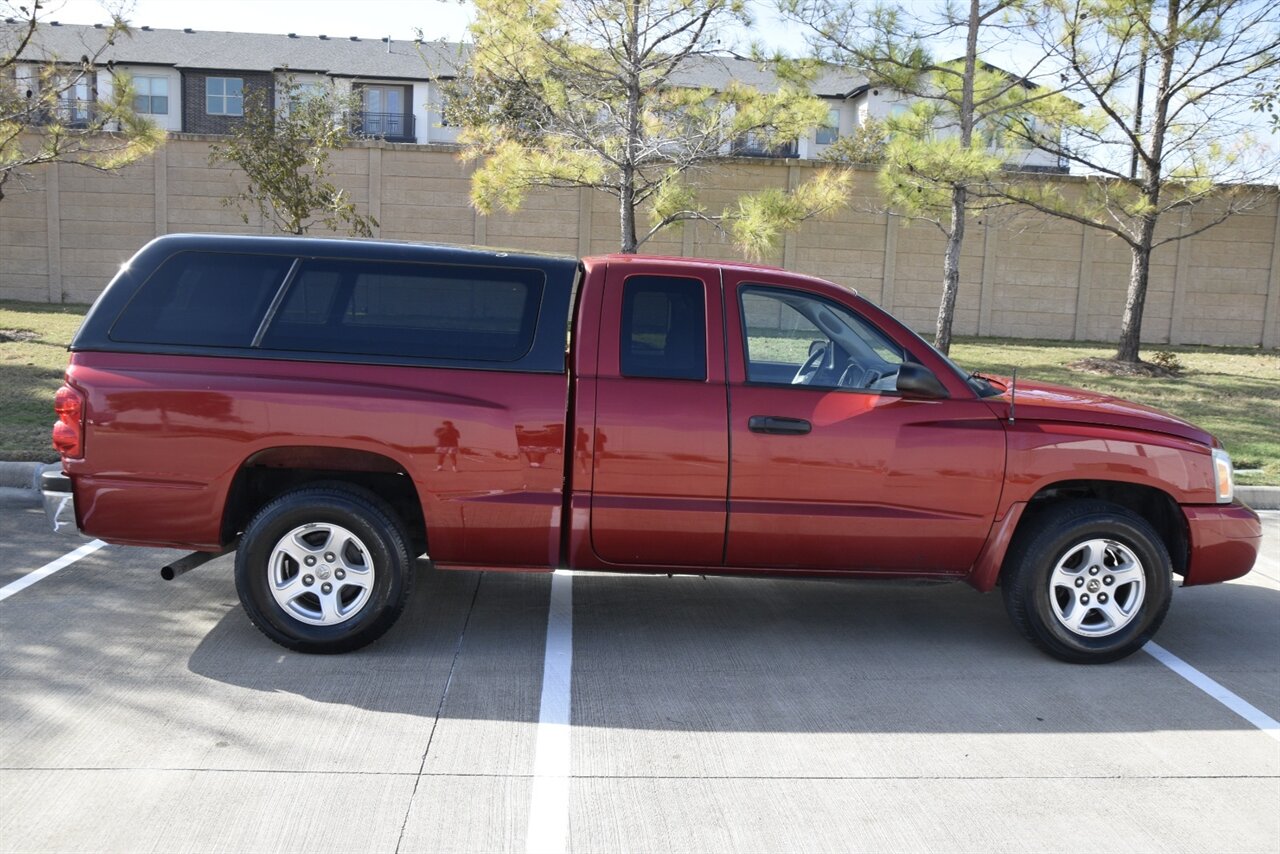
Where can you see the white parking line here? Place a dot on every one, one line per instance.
(1231, 700)
(49, 569)
(549, 802)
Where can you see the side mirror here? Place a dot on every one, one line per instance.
(918, 381)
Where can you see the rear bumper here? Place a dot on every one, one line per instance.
(1225, 539)
(59, 502)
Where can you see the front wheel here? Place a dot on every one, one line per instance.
(1087, 581)
(324, 569)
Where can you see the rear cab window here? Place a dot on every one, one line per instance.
(664, 328)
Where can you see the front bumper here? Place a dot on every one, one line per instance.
(59, 502)
(1225, 539)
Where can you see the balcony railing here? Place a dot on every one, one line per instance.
(397, 127)
(72, 114)
(749, 147)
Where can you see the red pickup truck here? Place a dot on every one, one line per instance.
(332, 409)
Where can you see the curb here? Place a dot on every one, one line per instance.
(20, 475)
(1260, 497)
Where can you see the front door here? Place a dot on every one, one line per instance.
(661, 455)
(832, 468)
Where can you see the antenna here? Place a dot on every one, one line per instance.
(1013, 393)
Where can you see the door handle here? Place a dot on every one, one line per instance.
(776, 425)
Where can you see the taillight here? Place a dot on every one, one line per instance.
(68, 430)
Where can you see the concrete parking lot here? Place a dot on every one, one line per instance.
(703, 715)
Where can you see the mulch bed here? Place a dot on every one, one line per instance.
(1113, 368)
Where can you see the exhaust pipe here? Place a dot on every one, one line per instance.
(186, 564)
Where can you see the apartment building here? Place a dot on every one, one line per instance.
(195, 81)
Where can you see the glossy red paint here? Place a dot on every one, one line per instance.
(1224, 542)
(877, 483)
(1041, 455)
(660, 455)
(986, 569)
(168, 435)
(1049, 404)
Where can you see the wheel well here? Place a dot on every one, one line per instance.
(1157, 507)
(270, 473)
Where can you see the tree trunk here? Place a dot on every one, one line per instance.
(959, 193)
(1152, 169)
(627, 192)
(951, 271)
(1136, 299)
(627, 212)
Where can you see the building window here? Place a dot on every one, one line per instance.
(386, 114)
(830, 131)
(300, 94)
(224, 96)
(151, 95)
(899, 115)
(1025, 129)
(75, 101)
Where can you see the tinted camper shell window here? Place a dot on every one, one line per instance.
(360, 302)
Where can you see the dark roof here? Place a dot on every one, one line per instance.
(336, 55)
(343, 56)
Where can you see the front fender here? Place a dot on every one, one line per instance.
(1042, 454)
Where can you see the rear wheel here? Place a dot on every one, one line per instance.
(1087, 581)
(324, 569)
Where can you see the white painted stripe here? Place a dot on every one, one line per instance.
(1231, 700)
(549, 804)
(49, 569)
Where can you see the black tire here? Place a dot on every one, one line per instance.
(380, 545)
(1059, 533)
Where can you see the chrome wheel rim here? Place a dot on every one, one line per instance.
(1097, 588)
(320, 574)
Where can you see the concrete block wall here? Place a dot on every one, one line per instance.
(64, 232)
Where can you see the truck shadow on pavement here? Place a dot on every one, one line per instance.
(764, 655)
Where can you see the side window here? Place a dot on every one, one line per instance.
(794, 338)
(202, 299)
(664, 328)
(394, 309)
(829, 132)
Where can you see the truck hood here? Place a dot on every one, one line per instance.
(1047, 402)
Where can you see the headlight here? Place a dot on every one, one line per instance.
(1223, 476)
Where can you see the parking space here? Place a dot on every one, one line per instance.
(706, 715)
